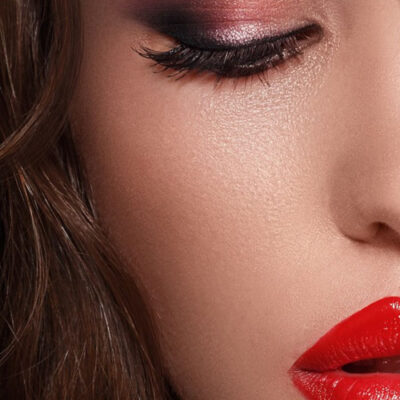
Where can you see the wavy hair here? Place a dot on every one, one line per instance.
(74, 323)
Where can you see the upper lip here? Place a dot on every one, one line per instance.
(373, 332)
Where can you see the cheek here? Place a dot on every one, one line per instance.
(205, 201)
(204, 193)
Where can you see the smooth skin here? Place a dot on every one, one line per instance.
(256, 216)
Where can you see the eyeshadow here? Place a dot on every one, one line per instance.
(173, 19)
(212, 23)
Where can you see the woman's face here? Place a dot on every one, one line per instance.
(258, 213)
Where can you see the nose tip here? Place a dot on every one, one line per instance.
(367, 202)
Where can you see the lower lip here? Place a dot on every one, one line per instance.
(372, 333)
(340, 385)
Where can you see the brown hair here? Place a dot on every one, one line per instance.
(74, 324)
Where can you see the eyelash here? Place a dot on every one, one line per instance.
(243, 61)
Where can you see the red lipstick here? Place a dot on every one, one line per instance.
(358, 359)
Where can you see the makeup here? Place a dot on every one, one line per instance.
(357, 359)
(225, 22)
(230, 39)
(254, 58)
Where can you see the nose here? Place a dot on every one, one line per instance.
(366, 177)
(367, 202)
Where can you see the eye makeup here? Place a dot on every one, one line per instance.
(226, 22)
(231, 39)
(235, 61)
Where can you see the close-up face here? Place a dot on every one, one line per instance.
(244, 157)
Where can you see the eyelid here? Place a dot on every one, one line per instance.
(269, 15)
(235, 61)
(211, 44)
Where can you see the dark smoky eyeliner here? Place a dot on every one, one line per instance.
(197, 51)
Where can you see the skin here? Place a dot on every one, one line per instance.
(257, 217)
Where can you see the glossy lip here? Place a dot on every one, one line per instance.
(373, 332)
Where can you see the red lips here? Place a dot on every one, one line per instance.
(373, 332)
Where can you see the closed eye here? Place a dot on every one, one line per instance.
(234, 61)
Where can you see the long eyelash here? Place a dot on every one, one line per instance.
(243, 61)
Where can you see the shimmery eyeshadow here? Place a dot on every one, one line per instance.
(226, 22)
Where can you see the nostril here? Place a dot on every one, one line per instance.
(381, 228)
(386, 235)
(375, 231)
